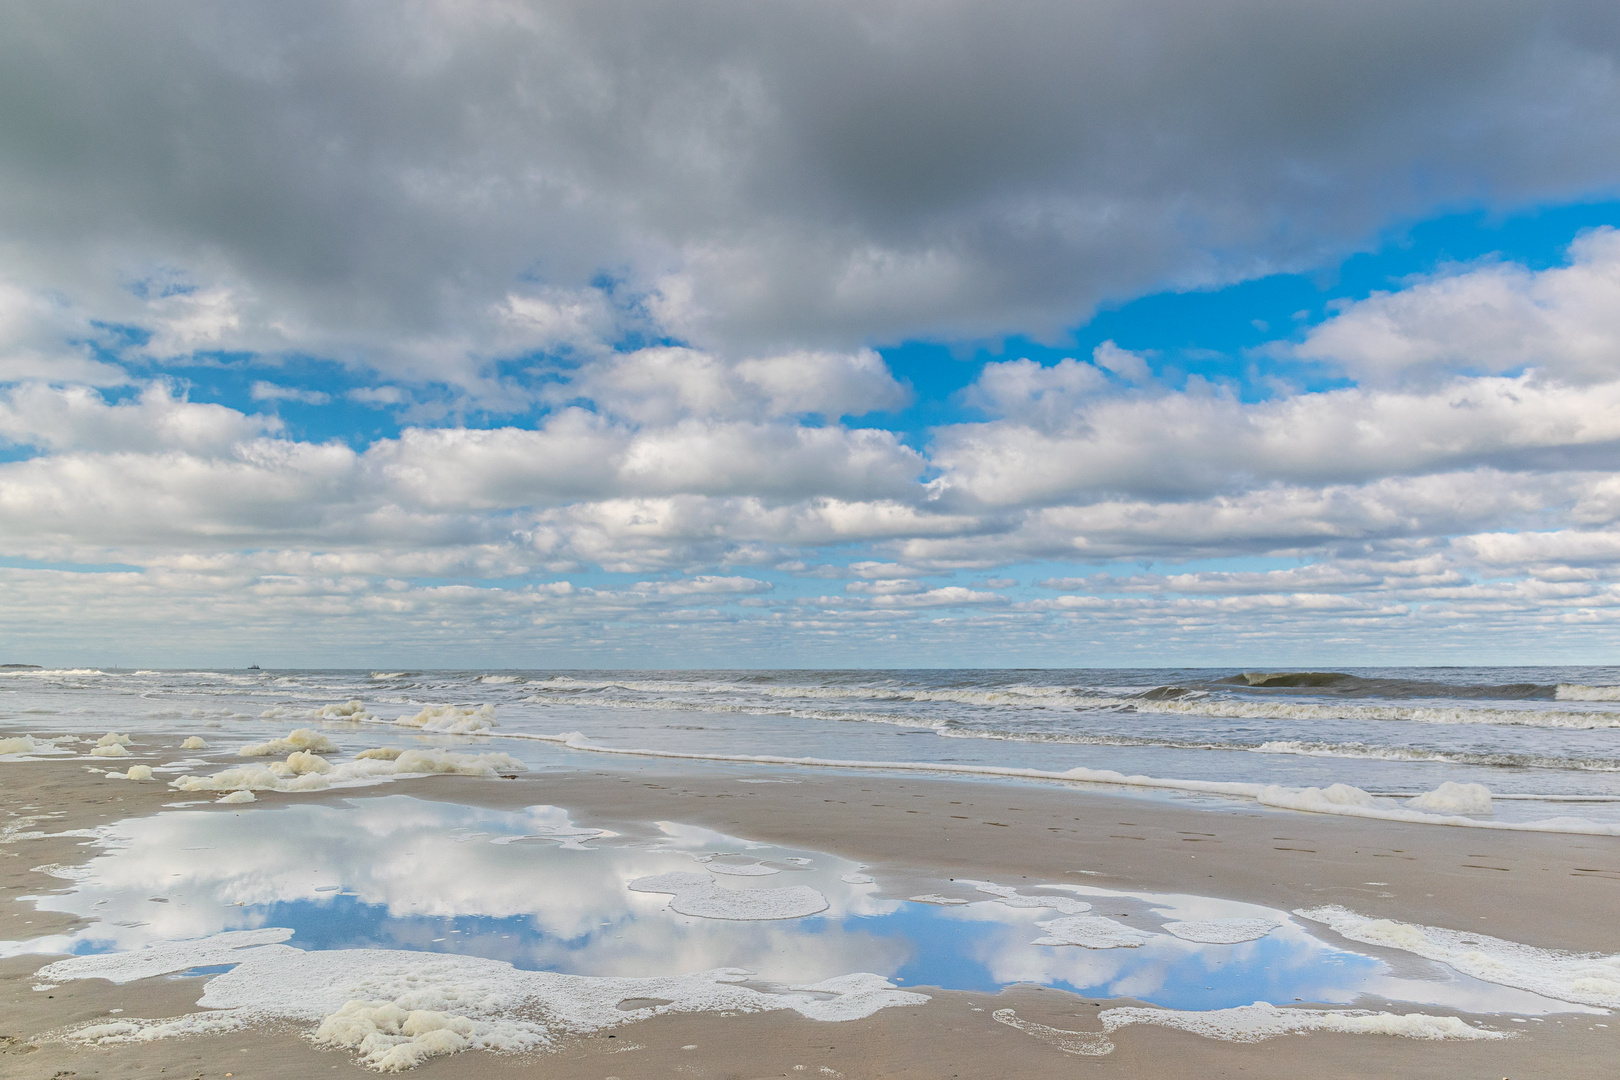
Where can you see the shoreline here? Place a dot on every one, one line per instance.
(914, 832)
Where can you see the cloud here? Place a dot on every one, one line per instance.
(1493, 319)
(1176, 445)
(431, 187)
(265, 391)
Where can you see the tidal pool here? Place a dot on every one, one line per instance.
(532, 889)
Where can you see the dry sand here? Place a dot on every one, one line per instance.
(1550, 891)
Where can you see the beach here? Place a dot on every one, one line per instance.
(917, 836)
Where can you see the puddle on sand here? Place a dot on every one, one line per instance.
(531, 889)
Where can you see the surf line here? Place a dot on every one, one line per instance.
(1310, 800)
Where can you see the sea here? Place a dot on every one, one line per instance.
(1544, 741)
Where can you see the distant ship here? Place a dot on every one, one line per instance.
(253, 667)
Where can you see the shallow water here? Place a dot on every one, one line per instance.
(1551, 732)
(531, 889)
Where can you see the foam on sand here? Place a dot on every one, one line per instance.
(453, 719)
(1582, 978)
(1250, 1024)
(304, 771)
(395, 1009)
(1221, 931)
(135, 772)
(299, 739)
(701, 895)
(1454, 798)
(243, 796)
(935, 898)
(195, 742)
(1091, 932)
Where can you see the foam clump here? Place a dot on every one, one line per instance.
(111, 745)
(195, 742)
(857, 879)
(380, 753)
(935, 898)
(702, 896)
(1222, 931)
(243, 796)
(1582, 978)
(396, 1009)
(299, 739)
(25, 744)
(306, 771)
(135, 772)
(1091, 932)
(1454, 798)
(389, 1039)
(453, 719)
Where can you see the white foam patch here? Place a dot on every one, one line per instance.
(742, 869)
(1222, 931)
(298, 739)
(195, 742)
(243, 796)
(1582, 978)
(1091, 932)
(935, 898)
(395, 1009)
(1337, 799)
(231, 947)
(857, 879)
(135, 772)
(1010, 897)
(1454, 798)
(453, 719)
(701, 895)
(568, 836)
(1263, 1020)
(1250, 1024)
(303, 771)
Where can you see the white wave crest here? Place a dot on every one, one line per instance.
(1577, 692)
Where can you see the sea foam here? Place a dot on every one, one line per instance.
(394, 1009)
(1582, 978)
(701, 895)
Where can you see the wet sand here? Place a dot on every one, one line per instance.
(914, 834)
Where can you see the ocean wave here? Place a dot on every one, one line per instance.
(1577, 692)
(1225, 708)
(1342, 684)
(1453, 757)
(1017, 694)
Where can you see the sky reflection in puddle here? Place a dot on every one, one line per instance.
(529, 888)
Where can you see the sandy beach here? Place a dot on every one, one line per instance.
(914, 835)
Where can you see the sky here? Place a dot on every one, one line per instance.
(504, 334)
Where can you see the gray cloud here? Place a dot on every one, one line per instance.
(374, 181)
